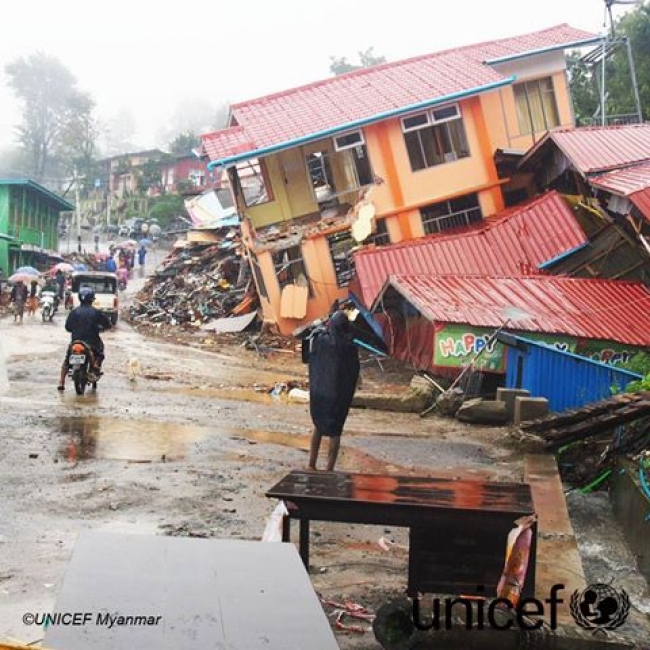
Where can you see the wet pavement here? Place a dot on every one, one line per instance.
(189, 446)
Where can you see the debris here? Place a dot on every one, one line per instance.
(199, 286)
(450, 401)
(483, 411)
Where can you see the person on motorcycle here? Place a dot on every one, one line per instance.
(85, 324)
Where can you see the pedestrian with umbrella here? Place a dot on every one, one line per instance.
(19, 294)
(142, 254)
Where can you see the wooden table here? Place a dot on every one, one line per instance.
(457, 528)
(201, 594)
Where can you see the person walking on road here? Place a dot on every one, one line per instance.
(19, 294)
(333, 375)
(142, 254)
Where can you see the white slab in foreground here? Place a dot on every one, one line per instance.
(209, 595)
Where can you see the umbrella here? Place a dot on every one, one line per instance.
(64, 267)
(145, 242)
(127, 243)
(366, 328)
(23, 277)
(101, 256)
(27, 270)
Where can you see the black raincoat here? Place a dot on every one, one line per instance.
(333, 375)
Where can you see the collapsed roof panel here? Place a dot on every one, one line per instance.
(515, 242)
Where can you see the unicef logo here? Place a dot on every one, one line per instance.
(600, 607)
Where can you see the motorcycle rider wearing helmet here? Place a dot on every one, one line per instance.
(85, 324)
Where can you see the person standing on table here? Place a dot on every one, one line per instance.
(333, 375)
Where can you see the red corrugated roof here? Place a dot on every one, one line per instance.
(632, 182)
(299, 112)
(625, 181)
(642, 201)
(513, 243)
(595, 309)
(594, 149)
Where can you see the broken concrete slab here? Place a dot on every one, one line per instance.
(483, 411)
(529, 408)
(508, 396)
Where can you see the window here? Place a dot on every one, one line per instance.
(381, 236)
(435, 137)
(254, 182)
(454, 213)
(536, 105)
(339, 172)
(341, 245)
(290, 268)
(348, 140)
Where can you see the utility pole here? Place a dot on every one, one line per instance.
(77, 209)
(108, 210)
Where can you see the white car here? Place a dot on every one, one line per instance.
(123, 230)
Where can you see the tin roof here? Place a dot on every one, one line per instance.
(624, 181)
(596, 309)
(374, 93)
(513, 243)
(594, 149)
(46, 195)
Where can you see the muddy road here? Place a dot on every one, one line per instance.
(189, 447)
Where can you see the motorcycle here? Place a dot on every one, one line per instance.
(49, 304)
(81, 367)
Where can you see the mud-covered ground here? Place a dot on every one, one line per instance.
(189, 448)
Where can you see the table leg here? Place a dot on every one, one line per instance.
(286, 528)
(304, 542)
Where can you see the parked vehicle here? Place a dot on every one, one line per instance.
(104, 285)
(81, 367)
(49, 303)
(123, 230)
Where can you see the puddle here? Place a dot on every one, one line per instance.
(236, 393)
(128, 440)
(144, 441)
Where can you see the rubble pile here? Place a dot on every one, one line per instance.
(194, 286)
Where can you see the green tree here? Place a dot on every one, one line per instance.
(53, 109)
(165, 208)
(341, 65)
(583, 88)
(584, 79)
(184, 143)
(636, 26)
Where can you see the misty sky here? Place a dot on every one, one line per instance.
(151, 56)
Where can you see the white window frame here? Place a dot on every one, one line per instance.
(431, 119)
(338, 147)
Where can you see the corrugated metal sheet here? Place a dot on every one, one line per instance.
(594, 309)
(642, 201)
(299, 112)
(595, 149)
(514, 243)
(625, 181)
(566, 380)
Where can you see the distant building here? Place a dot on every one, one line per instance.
(29, 224)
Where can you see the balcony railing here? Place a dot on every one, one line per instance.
(454, 220)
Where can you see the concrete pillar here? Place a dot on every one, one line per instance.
(508, 396)
(530, 408)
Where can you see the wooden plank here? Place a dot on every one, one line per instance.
(558, 558)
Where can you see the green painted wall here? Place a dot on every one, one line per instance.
(29, 216)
